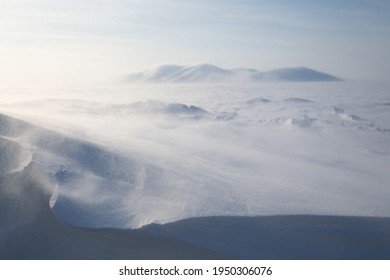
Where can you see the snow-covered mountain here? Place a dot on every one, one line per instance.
(297, 74)
(183, 73)
(172, 73)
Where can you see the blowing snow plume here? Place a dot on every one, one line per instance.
(260, 160)
(29, 229)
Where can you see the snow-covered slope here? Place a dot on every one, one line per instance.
(212, 73)
(127, 157)
(13, 157)
(298, 74)
(187, 73)
(30, 230)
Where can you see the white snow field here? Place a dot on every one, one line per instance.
(305, 163)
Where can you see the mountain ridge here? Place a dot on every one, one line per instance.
(204, 72)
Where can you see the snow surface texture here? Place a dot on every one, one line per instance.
(29, 230)
(211, 73)
(125, 157)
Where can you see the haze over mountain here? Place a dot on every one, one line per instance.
(172, 73)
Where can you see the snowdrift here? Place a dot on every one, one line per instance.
(13, 157)
(268, 170)
(30, 230)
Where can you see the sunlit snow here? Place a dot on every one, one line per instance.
(131, 155)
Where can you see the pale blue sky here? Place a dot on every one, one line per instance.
(97, 40)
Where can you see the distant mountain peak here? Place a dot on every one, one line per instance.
(204, 72)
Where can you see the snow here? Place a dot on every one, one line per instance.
(13, 157)
(182, 73)
(211, 73)
(295, 74)
(125, 157)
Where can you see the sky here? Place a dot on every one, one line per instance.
(100, 41)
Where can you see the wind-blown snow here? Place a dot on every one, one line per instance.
(125, 157)
(13, 157)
